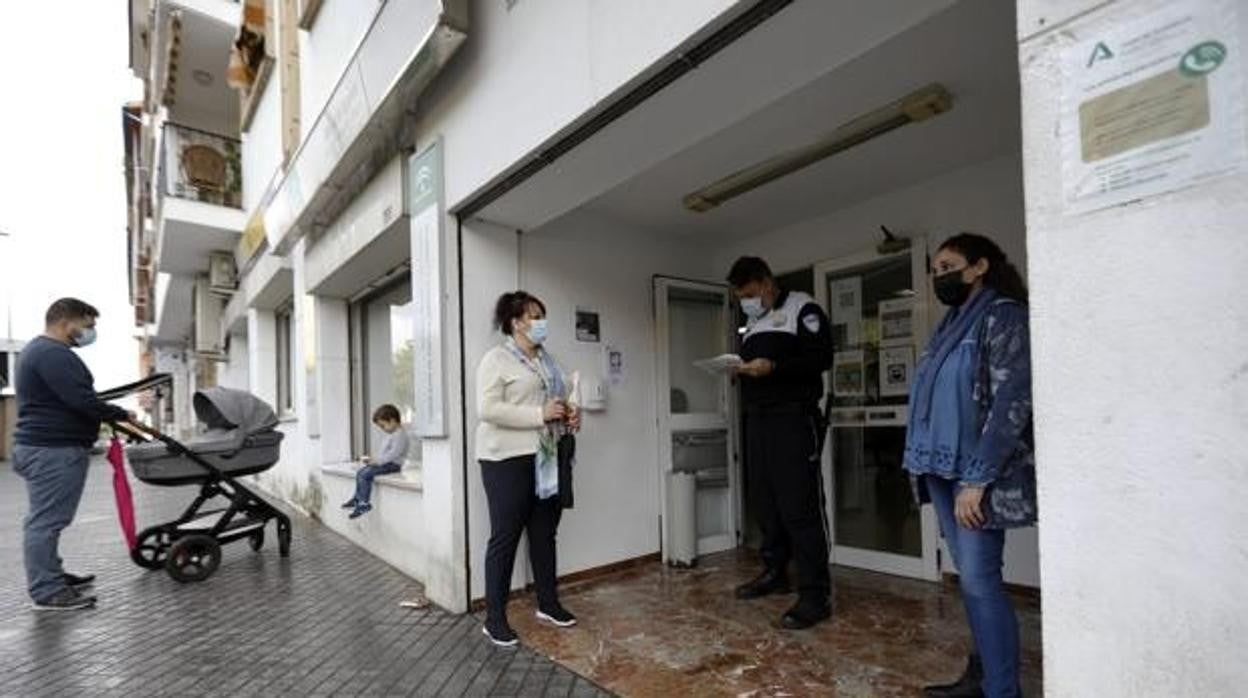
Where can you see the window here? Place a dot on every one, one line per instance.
(285, 361)
(381, 362)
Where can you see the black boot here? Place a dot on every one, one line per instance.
(968, 686)
(769, 582)
(806, 613)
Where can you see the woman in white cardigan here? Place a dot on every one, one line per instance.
(522, 405)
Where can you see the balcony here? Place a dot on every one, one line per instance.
(199, 185)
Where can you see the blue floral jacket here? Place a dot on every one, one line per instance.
(1004, 460)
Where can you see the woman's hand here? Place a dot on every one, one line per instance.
(555, 410)
(574, 419)
(967, 509)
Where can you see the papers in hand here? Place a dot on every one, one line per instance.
(724, 363)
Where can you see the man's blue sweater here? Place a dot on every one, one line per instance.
(56, 400)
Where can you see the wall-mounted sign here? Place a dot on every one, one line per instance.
(1152, 105)
(425, 206)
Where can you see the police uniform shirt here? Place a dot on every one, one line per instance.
(796, 337)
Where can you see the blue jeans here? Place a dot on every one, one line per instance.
(55, 477)
(978, 555)
(365, 476)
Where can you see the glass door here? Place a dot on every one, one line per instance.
(697, 432)
(877, 306)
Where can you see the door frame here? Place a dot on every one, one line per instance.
(928, 565)
(667, 422)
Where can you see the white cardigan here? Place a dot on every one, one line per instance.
(509, 407)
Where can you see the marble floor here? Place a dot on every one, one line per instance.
(655, 631)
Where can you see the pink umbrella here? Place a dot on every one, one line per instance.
(121, 491)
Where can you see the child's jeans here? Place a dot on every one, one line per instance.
(364, 479)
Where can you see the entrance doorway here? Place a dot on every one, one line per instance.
(699, 467)
(877, 303)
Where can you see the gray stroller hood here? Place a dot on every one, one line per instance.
(233, 414)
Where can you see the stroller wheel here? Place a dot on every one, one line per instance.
(152, 548)
(193, 558)
(256, 541)
(283, 539)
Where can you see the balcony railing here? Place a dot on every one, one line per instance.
(201, 166)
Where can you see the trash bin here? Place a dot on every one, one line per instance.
(682, 519)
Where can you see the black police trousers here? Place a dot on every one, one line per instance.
(784, 475)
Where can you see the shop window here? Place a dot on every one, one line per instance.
(285, 362)
(382, 364)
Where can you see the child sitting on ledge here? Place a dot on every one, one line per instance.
(389, 459)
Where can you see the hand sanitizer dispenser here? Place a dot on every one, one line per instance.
(593, 394)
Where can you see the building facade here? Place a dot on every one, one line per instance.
(327, 196)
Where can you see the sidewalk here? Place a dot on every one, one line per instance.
(324, 622)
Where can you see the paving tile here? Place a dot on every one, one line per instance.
(323, 622)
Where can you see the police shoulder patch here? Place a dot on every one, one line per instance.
(812, 322)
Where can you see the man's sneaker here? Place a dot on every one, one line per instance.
(66, 600)
(78, 580)
(349, 504)
(500, 633)
(360, 510)
(557, 615)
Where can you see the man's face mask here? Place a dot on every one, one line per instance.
(753, 307)
(84, 336)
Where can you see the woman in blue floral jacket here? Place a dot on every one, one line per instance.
(969, 444)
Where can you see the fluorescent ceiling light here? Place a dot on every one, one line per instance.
(917, 106)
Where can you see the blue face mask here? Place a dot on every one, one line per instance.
(538, 331)
(84, 337)
(753, 307)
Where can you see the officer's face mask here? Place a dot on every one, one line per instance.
(84, 336)
(753, 307)
(951, 289)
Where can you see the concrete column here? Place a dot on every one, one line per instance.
(333, 371)
(262, 354)
(1140, 354)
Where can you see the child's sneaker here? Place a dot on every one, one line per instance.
(500, 633)
(350, 503)
(360, 510)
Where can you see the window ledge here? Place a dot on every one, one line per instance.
(406, 479)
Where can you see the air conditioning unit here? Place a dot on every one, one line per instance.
(208, 308)
(222, 279)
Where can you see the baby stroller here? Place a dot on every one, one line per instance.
(241, 439)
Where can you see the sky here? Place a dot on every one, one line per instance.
(62, 186)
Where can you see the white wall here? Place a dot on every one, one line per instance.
(262, 145)
(234, 372)
(985, 198)
(1140, 344)
(325, 50)
(584, 260)
(526, 73)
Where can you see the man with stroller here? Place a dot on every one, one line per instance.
(58, 420)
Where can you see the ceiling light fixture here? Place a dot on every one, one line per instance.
(919, 105)
(203, 77)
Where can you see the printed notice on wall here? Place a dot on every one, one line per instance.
(1152, 105)
(425, 203)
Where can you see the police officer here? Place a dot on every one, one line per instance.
(787, 346)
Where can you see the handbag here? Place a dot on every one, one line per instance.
(567, 458)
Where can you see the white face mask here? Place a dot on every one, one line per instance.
(753, 307)
(538, 331)
(84, 337)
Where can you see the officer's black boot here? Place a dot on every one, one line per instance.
(769, 582)
(968, 686)
(807, 613)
